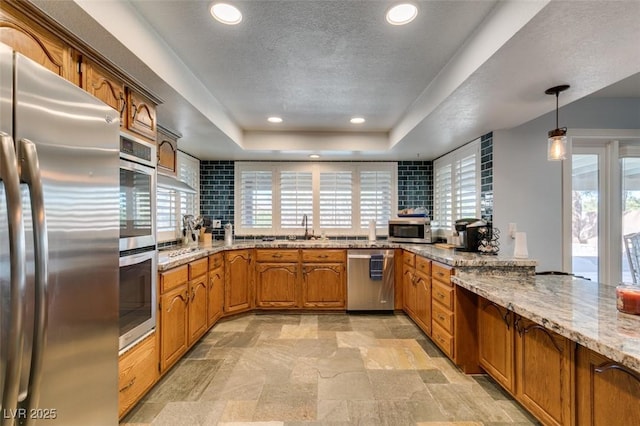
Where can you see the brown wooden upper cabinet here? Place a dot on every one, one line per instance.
(34, 41)
(105, 86)
(141, 117)
(167, 151)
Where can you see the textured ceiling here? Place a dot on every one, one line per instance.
(316, 63)
(461, 69)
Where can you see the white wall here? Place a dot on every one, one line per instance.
(528, 189)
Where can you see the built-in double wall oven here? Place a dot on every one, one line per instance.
(138, 254)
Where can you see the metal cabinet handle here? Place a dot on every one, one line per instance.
(323, 256)
(276, 255)
(30, 174)
(10, 178)
(128, 385)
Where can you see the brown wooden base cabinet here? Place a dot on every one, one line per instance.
(174, 315)
(324, 284)
(607, 393)
(277, 279)
(532, 363)
(495, 343)
(238, 281)
(198, 289)
(215, 298)
(544, 372)
(137, 372)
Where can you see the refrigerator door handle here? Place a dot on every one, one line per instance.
(17, 252)
(30, 174)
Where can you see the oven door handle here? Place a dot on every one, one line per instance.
(134, 259)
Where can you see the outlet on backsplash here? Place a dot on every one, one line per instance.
(217, 224)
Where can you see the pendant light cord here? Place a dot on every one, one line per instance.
(557, 93)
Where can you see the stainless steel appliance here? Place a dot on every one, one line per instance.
(471, 232)
(137, 296)
(58, 250)
(370, 280)
(410, 230)
(137, 193)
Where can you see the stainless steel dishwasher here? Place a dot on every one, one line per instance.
(370, 280)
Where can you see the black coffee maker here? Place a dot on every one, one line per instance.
(471, 232)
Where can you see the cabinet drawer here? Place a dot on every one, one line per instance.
(442, 294)
(276, 255)
(198, 267)
(137, 372)
(173, 278)
(215, 261)
(441, 272)
(443, 317)
(423, 265)
(443, 339)
(409, 258)
(321, 255)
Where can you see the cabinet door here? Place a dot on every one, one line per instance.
(167, 158)
(216, 296)
(276, 285)
(495, 341)
(142, 115)
(323, 286)
(237, 296)
(105, 86)
(543, 366)
(29, 38)
(137, 372)
(174, 325)
(423, 301)
(408, 289)
(198, 289)
(607, 393)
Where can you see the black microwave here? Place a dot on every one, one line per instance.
(410, 230)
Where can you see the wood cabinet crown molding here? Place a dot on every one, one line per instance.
(75, 42)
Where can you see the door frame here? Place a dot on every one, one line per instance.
(610, 206)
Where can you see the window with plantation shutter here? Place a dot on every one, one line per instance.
(443, 196)
(338, 198)
(375, 197)
(256, 199)
(166, 206)
(296, 198)
(171, 205)
(467, 186)
(456, 186)
(189, 173)
(335, 200)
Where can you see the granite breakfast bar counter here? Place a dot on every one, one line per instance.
(580, 310)
(559, 346)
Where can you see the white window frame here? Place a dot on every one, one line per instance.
(452, 159)
(606, 143)
(314, 219)
(183, 160)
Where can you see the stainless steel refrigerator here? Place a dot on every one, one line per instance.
(59, 231)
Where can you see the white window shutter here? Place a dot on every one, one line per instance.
(375, 197)
(256, 199)
(336, 200)
(296, 199)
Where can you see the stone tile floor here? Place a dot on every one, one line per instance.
(326, 369)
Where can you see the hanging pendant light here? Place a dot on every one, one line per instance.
(557, 143)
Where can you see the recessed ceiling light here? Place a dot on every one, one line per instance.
(314, 156)
(274, 120)
(402, 13)
(226, 13)
(357, 120)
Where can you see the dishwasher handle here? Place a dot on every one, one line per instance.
(366, 256)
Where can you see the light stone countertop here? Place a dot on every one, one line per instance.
(448, 257)
(581, 310)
